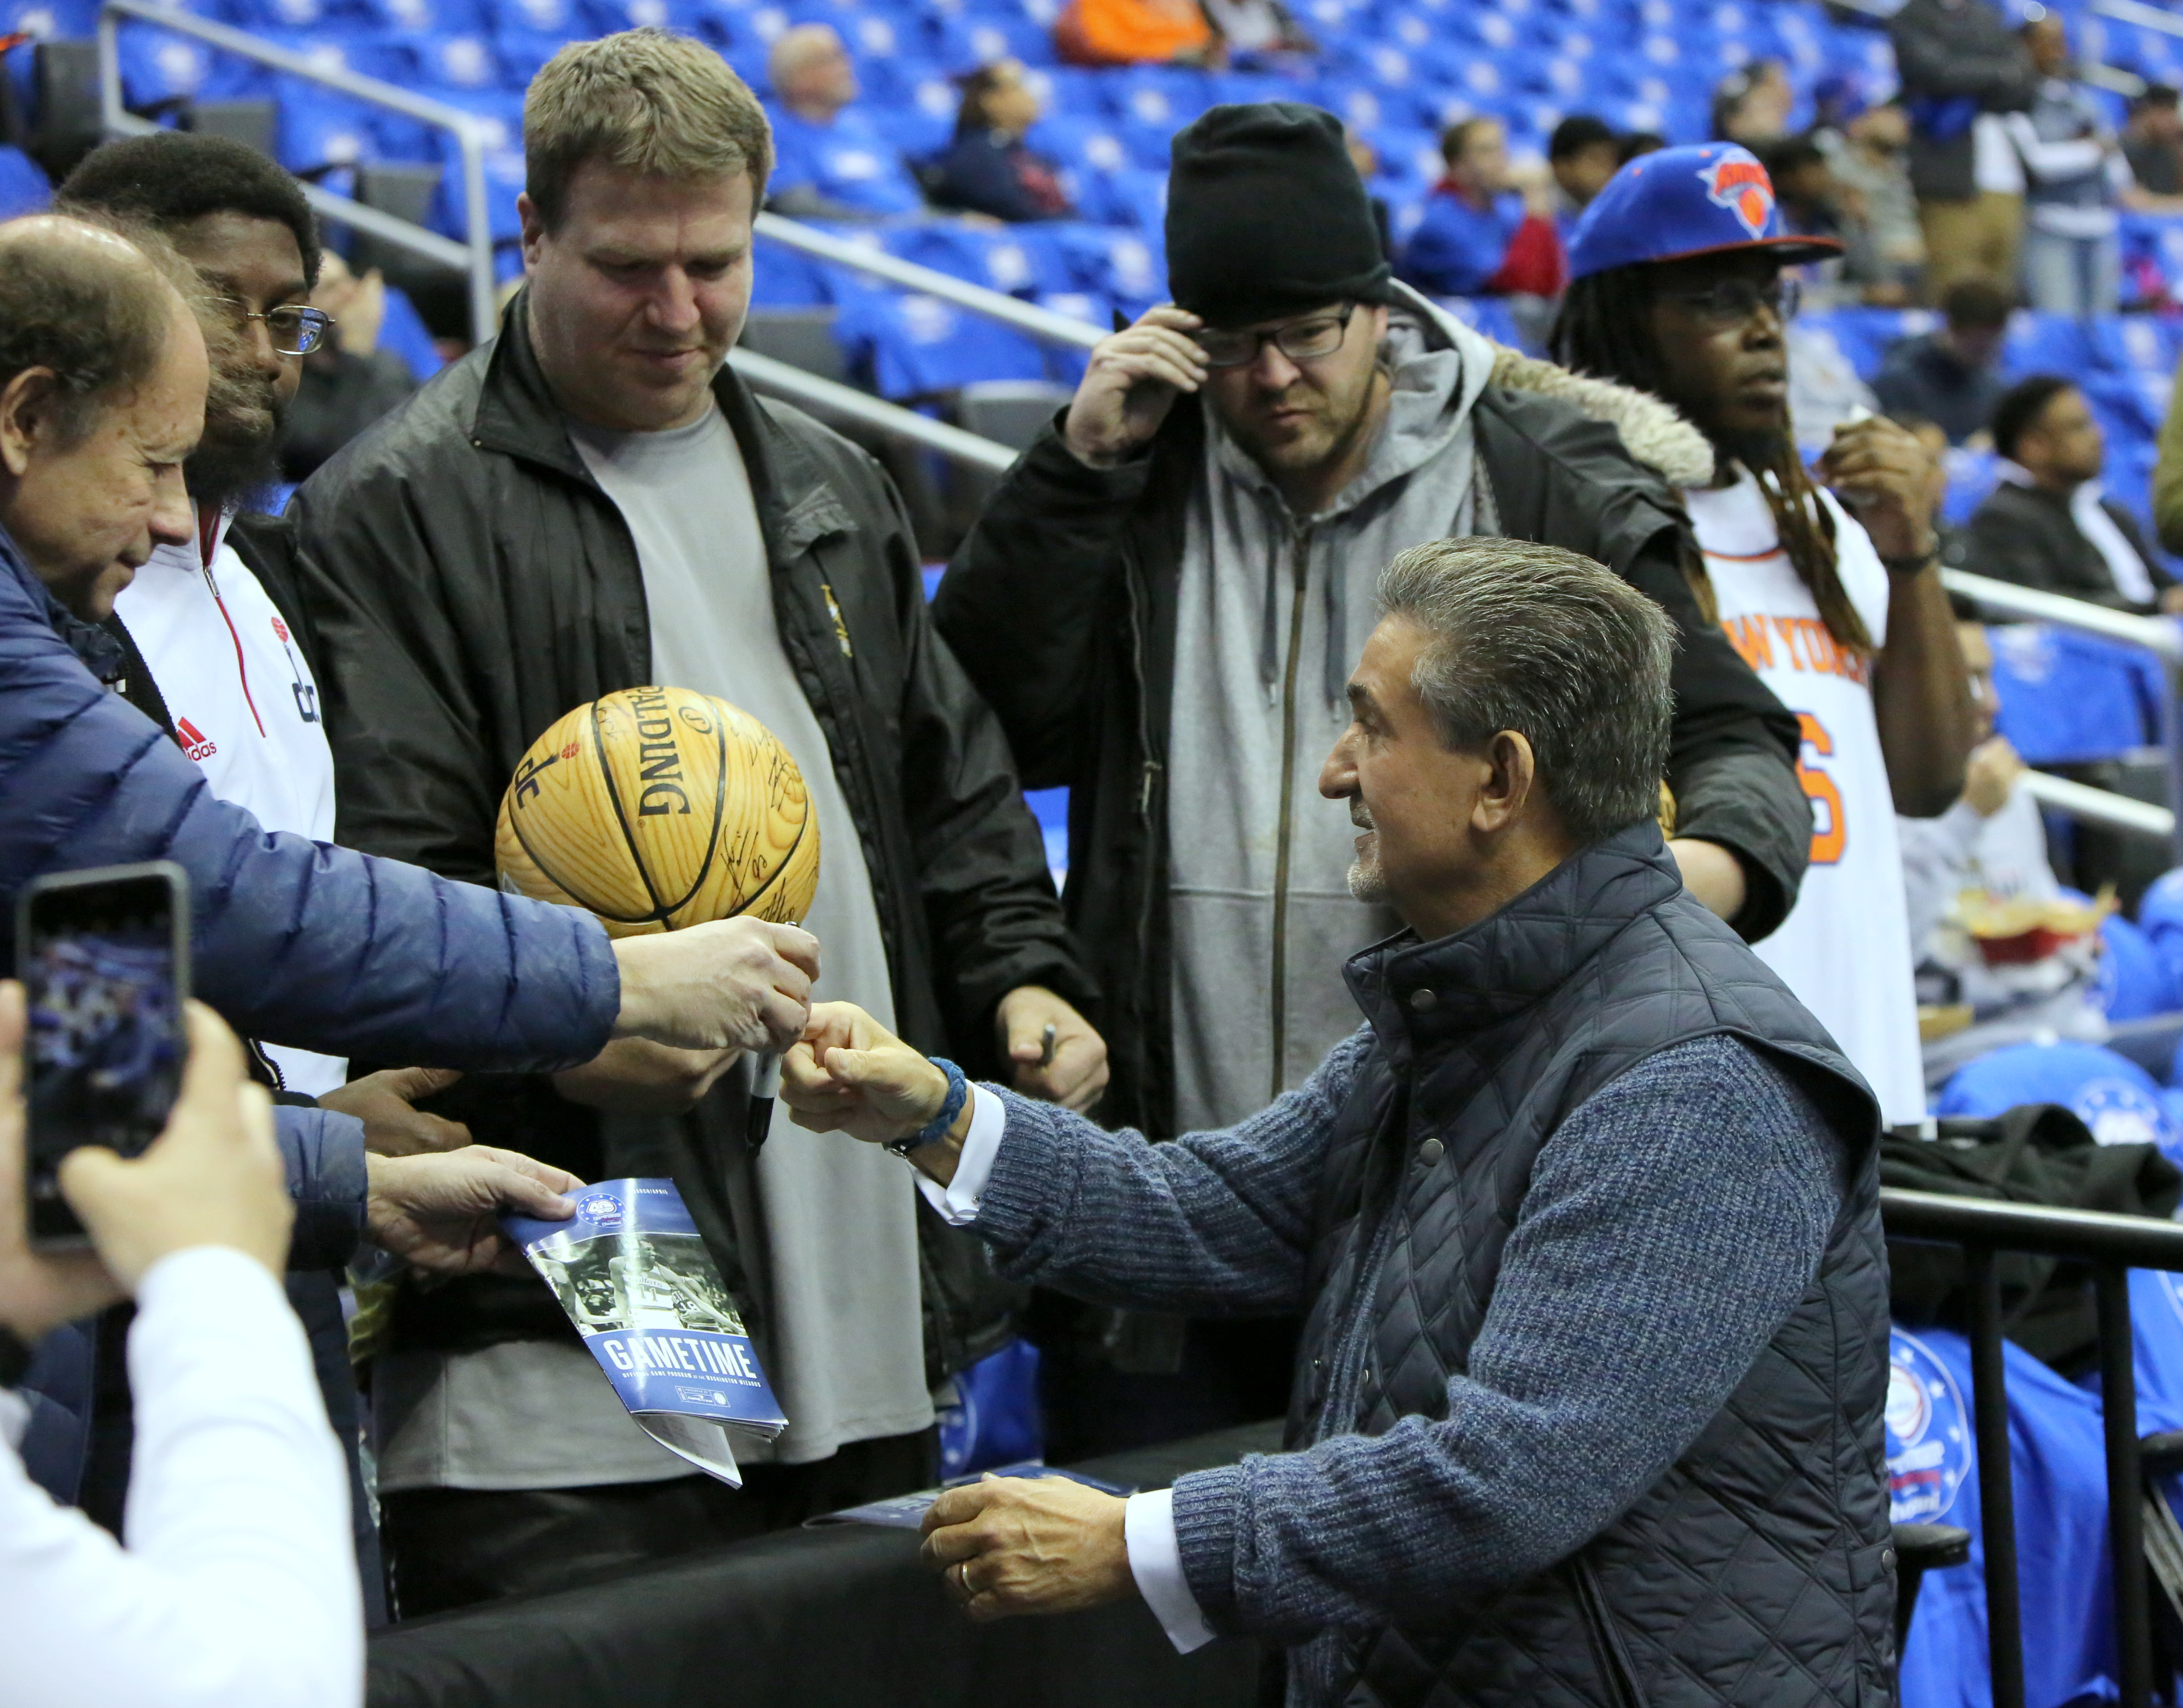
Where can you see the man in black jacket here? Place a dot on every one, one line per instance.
(593, 502)
(1162, 604)
(1962, 68)
(2049, 525)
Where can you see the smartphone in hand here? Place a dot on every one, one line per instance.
(104, 955)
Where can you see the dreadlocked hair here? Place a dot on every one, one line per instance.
(1605, 330)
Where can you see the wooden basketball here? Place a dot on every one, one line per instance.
(659, 807)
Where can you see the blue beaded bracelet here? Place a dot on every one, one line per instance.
(958, 1093)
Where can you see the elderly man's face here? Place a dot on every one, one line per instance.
(639, 294)
(88, 511)
(1410, 795)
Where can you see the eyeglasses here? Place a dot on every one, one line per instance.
(296, 331)
(1732, 302)
(1300, 340)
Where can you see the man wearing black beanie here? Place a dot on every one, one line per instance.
(1162, 604)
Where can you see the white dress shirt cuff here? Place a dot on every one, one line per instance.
(1156, 1562)
(958, 1201)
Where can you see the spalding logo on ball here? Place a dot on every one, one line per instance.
(658, 807)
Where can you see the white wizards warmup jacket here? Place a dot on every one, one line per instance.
(1845, 947)
(243, 705)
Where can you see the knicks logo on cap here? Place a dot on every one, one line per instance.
(1743, 188)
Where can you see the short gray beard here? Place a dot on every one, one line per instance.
(1367, 883)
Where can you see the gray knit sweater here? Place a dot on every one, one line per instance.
(1672, 1222)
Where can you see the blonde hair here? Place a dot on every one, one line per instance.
(642, 100)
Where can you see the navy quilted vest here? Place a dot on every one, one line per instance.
(1758, 1570)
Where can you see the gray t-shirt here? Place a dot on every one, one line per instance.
(847, 1348)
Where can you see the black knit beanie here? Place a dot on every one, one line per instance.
(1266, 216)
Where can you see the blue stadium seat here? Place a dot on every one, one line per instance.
(2068, 697)
(447, 63)
(914, 346)
(2110, 1093)
(1133, 196)
(2135, 982)
(23, 186)
(1129, 269)
(523, 53)
(1019, 259)
(557, 17)
(324, 128)
(967, 43)
(157, 65)
(2041, 343)
(416, 19)
(64, 20)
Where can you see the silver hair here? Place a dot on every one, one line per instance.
(1561, 650)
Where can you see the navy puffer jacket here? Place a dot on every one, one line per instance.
(294, 942)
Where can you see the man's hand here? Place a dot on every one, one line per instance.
(634, 1075)
(733, 984)
(213, 1177)
(1074, 1071)
(442, 1213)
(851, 1075)
(1991, 776)
(38, 1291)
(1885, 477)
(1133, 377)
(386, 1104)
(1006, 1545)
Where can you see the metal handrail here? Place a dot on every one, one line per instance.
(996, 305)
(2162, 636)
(2112, 1245)
(473, 257)
(785, 378)
(2100, 806)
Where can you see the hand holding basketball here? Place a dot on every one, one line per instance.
(732, 984)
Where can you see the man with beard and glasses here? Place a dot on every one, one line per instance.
(1833, 596)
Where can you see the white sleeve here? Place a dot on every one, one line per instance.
(238, 1586)
(2046, 160)
(958, 1201)
(1155, 1563)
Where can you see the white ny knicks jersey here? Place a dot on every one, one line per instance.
(243, 705)
(1845, 947)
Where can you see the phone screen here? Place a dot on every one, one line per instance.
(101, 968)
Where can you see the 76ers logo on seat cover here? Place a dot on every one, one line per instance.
(1928, 1448)
(1741, 186)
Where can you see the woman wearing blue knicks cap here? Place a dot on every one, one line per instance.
(1683, 285)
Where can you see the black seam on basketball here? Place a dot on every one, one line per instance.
(628, 836)
(719, 812)
(782, 869)
(568, 889)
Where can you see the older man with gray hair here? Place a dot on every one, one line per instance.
(1582, 1223)
(834, 161)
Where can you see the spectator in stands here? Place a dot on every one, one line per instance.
(1258, 33)
(1864, 145)
(1947, 377)
(833, 160)
(1751, 106)
(2049, 524)
(1482, 236)
(1993, 841)
(1583, 1221)
(208, 614)
(1679, 290)
(2168, 476)
(1962, 70)
(989, 169)
(102, 379)
(1582, 156)
(591, 502)
(1636, 142)
(1322, 418)
(236, 1586)
(349, 379)
(1366, 159)
(2152, 141)
(1809, 201)
(1135, 32)
(2075, 178)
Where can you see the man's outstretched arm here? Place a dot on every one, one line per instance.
(1212, 1222)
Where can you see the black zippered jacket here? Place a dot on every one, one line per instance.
(468, 582)
(1062, 604)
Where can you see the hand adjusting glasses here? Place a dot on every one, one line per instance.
(294, 330)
